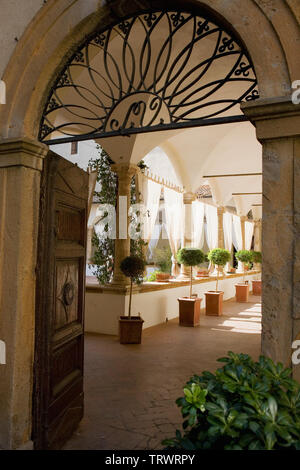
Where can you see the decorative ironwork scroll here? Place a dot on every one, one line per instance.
(153, 71)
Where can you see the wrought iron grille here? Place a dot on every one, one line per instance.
(157, 70)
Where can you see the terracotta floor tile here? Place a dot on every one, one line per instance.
(130, 390)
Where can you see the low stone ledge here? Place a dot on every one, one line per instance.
(156, 286)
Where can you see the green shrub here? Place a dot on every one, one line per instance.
(190, 256)
(245, 256)
(256, 257)
(219, 257)
(152, 276)
(245, 405)
(162, 258)
(133, 267)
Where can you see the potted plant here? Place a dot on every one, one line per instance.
(214, 299)
(256, 284)
(242, 289)
(189, 307)
(245, 405)
(131, 326)
(162, 277)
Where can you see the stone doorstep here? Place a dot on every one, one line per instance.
(155, 286)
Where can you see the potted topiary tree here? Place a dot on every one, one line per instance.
(256, 284)
(131, 326)
(214, 299)
(189, 307)
(242, 289)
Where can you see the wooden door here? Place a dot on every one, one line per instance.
(58, 376)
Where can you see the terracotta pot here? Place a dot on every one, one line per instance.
(203, 273)
(256, 287)
(130, 330)
(242, 292)
(189, 311)
(214, 303)
(232, 271)
(162, 277)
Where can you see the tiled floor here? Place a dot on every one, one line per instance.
(130, 389)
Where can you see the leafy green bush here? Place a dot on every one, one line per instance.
(133, 266)
(152, 276)
(219, 257)
(190, 257)
(256, 257)
(245, 256)
(162, 258)
(245, 405)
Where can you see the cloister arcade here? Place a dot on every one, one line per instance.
(206, 83)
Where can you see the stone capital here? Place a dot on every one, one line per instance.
(22, 152)
(124, 170)
(273, 117)
(189, 197)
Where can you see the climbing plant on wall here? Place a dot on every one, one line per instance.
(103, 258)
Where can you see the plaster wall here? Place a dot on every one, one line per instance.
(102, 310)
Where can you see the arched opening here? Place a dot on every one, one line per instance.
(24, 110)
(167, 76)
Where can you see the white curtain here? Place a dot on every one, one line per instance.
(198, 224)
(237, 238)
(150, 192)
(212, 226)
(227, 229)
(249, 228)
(174, 211)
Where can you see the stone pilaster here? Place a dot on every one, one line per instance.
(124, 172)
(257, 235)
(21, 162)
(243, 220)
(89, 244)
(277, 125)
(188, 198)
(221, 211)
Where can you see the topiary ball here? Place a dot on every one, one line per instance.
(245, 256)
(219, 256)
(190, 256)
(132, 266)
(256, 257)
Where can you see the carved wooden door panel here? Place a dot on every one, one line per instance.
(58, 381)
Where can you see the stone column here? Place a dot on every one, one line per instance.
(21, 162)
(243, 220)
(221, 211)
(125, 172)
(188, 198)
(89, 244)
(278, 129)
(257, 235)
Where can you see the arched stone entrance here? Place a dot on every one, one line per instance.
(28, 78)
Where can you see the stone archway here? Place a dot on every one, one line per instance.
(28, 76)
